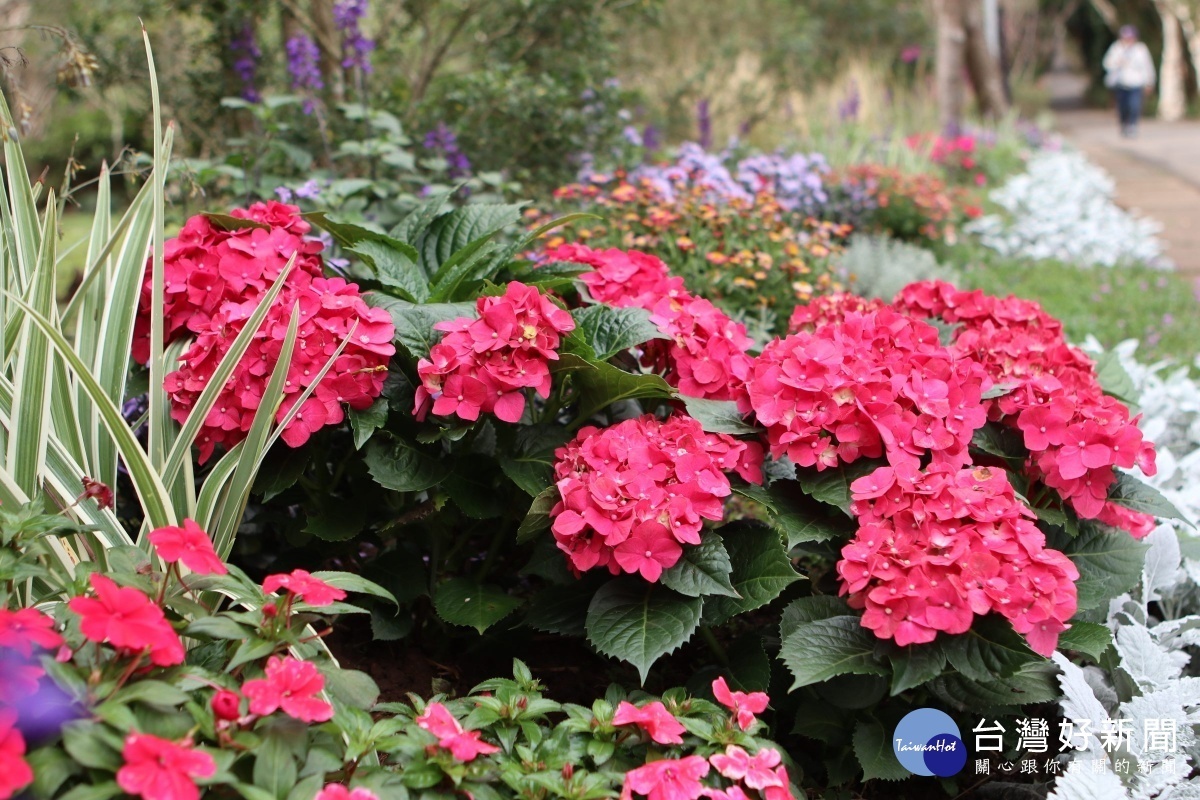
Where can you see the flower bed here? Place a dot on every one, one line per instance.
(514, 441)
(1062, 208)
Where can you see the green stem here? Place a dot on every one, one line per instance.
(493, 551)
(717, 649)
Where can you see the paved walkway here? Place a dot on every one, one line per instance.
(1157, 174)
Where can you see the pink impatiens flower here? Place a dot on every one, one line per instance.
(654, 718)
(290, 685)
(668, 779)
(190, 545)
(25, 627)
(744, 705)
(305, 586)
(159, 769)
(128, 620)
(15, 772)
(757, 771)
(336, 791)
(463, 745)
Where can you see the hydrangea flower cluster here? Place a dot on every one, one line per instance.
(706, 355)
(1075, 433)
(632, 495)
(867, 383)
(484, 364)
(213, 281)
(936, 548)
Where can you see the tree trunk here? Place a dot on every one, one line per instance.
(1172, 92)
(951, 41)
(981, 66)
(331, 61)
(1108, 13)
(1188, 23)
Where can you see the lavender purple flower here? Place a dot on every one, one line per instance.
(245, 62)
(302, 63)
(443, 141)
(651, 139)
(356, 47)
(796, 180)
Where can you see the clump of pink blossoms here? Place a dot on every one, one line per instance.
(934, 549)
(869, 383)
(214, 279)
(1075, 433)
(632, 495)
(705, 356)
(484, 364)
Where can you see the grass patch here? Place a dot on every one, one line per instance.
(1158, 308)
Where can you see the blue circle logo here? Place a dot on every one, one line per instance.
(927, 742)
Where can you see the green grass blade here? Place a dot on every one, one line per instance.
(116, 327)
(182, 447)
(213, 492)
(146, 482)
(229, 515)
(32, 383)
(87, 329)
(24, 219)
(64, 413)
(158, 415)
(99, 265)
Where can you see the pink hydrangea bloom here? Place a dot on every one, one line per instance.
(484, 365)
(634, 494)
(705, 352)
(214, 279)
(861, 380)
(1075, 433)
(935, 549)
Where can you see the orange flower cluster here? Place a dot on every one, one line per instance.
(909, 206)
(747, 256)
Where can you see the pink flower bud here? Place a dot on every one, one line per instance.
(227, 705)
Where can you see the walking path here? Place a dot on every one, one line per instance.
(1157, 174)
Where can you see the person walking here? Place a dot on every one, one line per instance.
(1129, 72)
